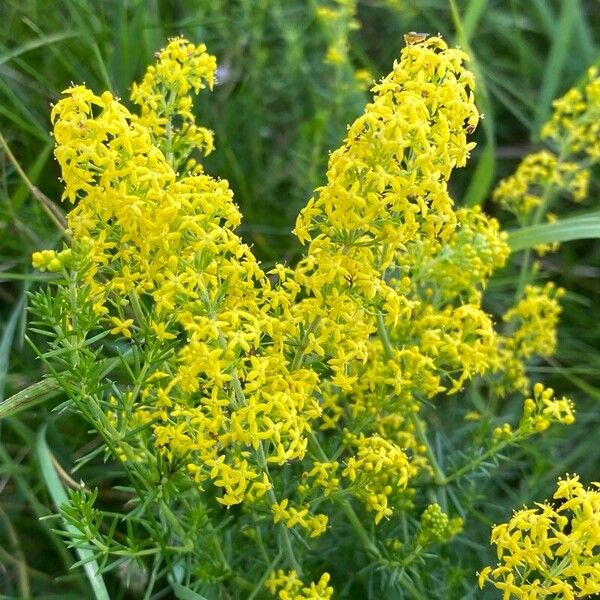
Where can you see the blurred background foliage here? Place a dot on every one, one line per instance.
(292, 75)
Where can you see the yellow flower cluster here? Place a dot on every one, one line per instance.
(165, 101)
(550, 551)
(49, 260)
(574, 131)
(246, 372)
(574, 126)
(388, 254)
(533, 320)
(535, 176)
(530, 331)
(323, 476)
(316, 525)
(162, 258)
(386, 190)
(288, 586)
(379, 470)
(539, 413)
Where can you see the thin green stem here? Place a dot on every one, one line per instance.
(548, 195)
(345, 505)
(409, 587)
(385, 338)
(262, 461)
(168, 111)
(474, 463)
(438, 474)
(299, 355)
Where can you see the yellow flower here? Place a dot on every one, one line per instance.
(160, 330)
(121, 327)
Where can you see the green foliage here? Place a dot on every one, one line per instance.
(277, 110)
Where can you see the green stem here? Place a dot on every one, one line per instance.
(299, 356)
(344, 503)
(360, 531)
(262, 461)
(548, 196)
(409, 587)
(31, 396)
(385, 338)
(169, 154)
(473, 464)
(438, 474)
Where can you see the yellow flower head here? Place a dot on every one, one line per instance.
(550, 551)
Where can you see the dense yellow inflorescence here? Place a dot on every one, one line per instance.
(164, 97)
(384, 221)
(533, 321)
(550, 551)
(535, 177)
(160, 246)
(251, 369)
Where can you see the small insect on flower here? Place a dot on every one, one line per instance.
(412, 37)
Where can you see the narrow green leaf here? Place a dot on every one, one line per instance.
(483, 176)
(38, 43)
(559, 54)
(59, 497)
(33, 276)
(473, 14)
(584, 35)
(29, 397)
(183, 593)
(545, 18)
(580, 227)
(23, 123)
(482, 179)
(6, 342)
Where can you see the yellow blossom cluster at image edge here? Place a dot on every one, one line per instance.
(550, 551)
(573, 132)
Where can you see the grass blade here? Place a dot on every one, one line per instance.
(580, 227)
(59, 497)
(184, 593)
(557, 60)
(33, 44)
(483, 176)
(6, 342)
(473, 14)
(29, 397)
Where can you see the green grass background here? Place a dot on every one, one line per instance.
(277, 112)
